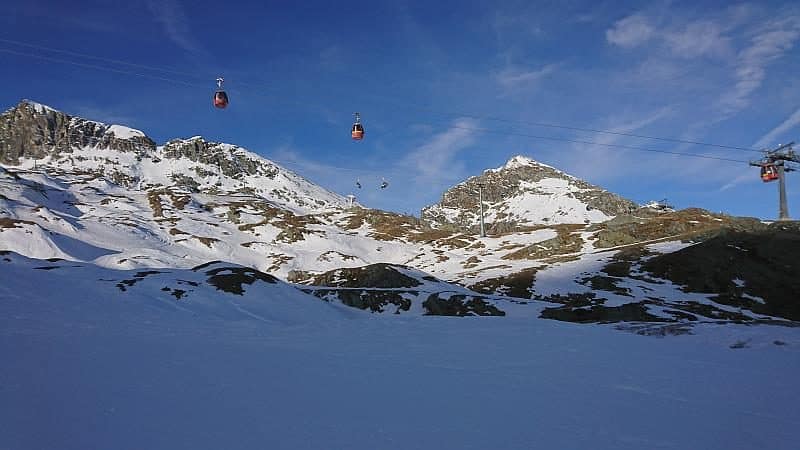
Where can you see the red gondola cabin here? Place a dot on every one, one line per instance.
(357, 132)
(769, 173)
(220, 99)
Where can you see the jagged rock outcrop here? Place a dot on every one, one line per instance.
(231, 160)
(31, 130)
(524, 192)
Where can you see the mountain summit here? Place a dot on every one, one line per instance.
(524, 192)
(32, 134)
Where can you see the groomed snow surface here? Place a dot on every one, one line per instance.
(88, 366)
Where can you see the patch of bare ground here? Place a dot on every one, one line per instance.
(453, 242)
(598, 313)
(232, 279)
(278, 260)
(175, 231)
(475, 273)
(388, 226)
(294, 228)
(207, 241)
(567, 241)
(658, 330)
(377, 301)
(178, 201)
(460, 305)
(471, 262)
(331, 254)
(604, 283)
(7, 222)
(154, 199)
(518, 284)
(137, 277)
(372, 276)
(687, 224)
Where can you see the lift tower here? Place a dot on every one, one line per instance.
(773, 167)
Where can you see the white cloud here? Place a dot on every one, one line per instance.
(746, 175)
(702, 38)
(515, 78)
(769, 138)
(630, 32)
(773, 41)
(436, 160)
(613, 163)
(170, 14)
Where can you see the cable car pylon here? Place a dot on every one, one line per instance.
(773, 167)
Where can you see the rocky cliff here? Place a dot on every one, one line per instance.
(31, 130)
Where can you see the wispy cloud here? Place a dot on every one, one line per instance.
(511, 78)
(682, 39)
(608, 163)
(769, 138)
(437, 159)
(695, 39)
(773, 40)
(630, 32)
(170, 14)
(746, 175)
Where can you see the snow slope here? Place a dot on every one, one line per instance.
(86, 365)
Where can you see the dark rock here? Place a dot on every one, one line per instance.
(460, 305)
(32, 131)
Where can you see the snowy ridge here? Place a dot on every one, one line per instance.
(131, 159)
(123, 132)
(40, 108)
(518, 161)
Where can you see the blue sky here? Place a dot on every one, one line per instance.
(446, 89)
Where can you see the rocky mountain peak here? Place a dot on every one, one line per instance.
(34, 130)
(35, 134)
(524, 192)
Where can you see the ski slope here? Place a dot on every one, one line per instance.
(87, 365)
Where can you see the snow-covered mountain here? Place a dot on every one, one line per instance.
(524, 192)
(135, 311)
(35, 135)
(107, 195)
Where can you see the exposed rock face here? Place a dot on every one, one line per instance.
(30, 130)
(232, 161)
(371, 276)
(523, 193)
(758, 270)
